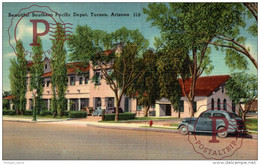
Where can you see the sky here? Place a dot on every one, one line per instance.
(74, 14)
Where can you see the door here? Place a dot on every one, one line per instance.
(204, 122)
(168, 110)
(126, 104)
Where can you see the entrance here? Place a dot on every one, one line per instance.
(165, 110)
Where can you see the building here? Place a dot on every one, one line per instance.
(210, 93)
(82, 92)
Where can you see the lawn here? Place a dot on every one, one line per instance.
(251, 124)
(142, 119)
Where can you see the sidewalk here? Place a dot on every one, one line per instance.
(29, 119)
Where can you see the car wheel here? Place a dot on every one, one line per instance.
(222, 132)
(184, 130)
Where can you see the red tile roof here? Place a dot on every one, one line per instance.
(71, 68)
(9, 97)
(205, 85)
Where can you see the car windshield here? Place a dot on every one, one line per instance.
(233, 115)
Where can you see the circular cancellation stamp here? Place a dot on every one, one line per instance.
(216, 133)
(37, 21)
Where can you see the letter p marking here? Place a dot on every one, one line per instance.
(35, 33)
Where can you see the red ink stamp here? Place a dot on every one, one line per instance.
(215, 133)
(38, 21)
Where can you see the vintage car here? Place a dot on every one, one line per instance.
(226, 123)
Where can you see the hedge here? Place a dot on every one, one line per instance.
(121, 116)
(9, 112)
(28, 112)
(45, 113)
(77, 114)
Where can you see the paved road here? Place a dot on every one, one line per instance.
(71, 141)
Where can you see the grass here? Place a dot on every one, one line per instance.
(251, 124)
(174, 124)
(142, 119)
(159, 127)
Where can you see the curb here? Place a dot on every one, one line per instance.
(26, 121)
(134, 128)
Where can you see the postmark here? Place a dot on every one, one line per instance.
(216, 133)
(38, 21)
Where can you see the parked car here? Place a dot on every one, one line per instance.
(110, 110)
(203, 124)
(97, 112)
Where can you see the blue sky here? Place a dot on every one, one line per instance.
(109, 24)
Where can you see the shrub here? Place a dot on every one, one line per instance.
(65, 113)
(77, 114)
(122, 116)
(45, 113)
(28, 113)
(9, 112)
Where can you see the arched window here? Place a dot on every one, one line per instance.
(225, 104)
(218, 104)
(212, 103)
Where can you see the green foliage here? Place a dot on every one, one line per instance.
(45, 113)
(235, 60)
(28, 113)
(36, 71)
(18, 78)
(253, 29)
(6, 103)
(121, 68)
(59, 71)
(9, 112)
(242, 87)
(121, 116)
(77, 114)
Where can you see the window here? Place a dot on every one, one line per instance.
(97, 102)
(43, 83)
(46, 66)
(218, 115)
(218, 104)
(222, 89)
(97, 78)
(80, 80)
(86, 80)
(48, 83)
(84, 103)
(138, 107)
(205, 115)
(212, 103)
(195, 106)
(181, 106)
(225, 104)
(233, 107)
(110, 102)
(72, 80)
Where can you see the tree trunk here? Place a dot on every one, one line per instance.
(34, 108)
(179, 114)
(117, 109)
(146, 110)
(191, 110)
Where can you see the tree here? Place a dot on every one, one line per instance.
(146, 88)
(121, 68)
(242, 89)
(18, 78)
(188, 28)
(36, 72)
(6, 104)
(234, 42)
(59, 72)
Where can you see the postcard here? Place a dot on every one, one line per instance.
(130, 81)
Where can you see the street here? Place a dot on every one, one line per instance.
(70, 141)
